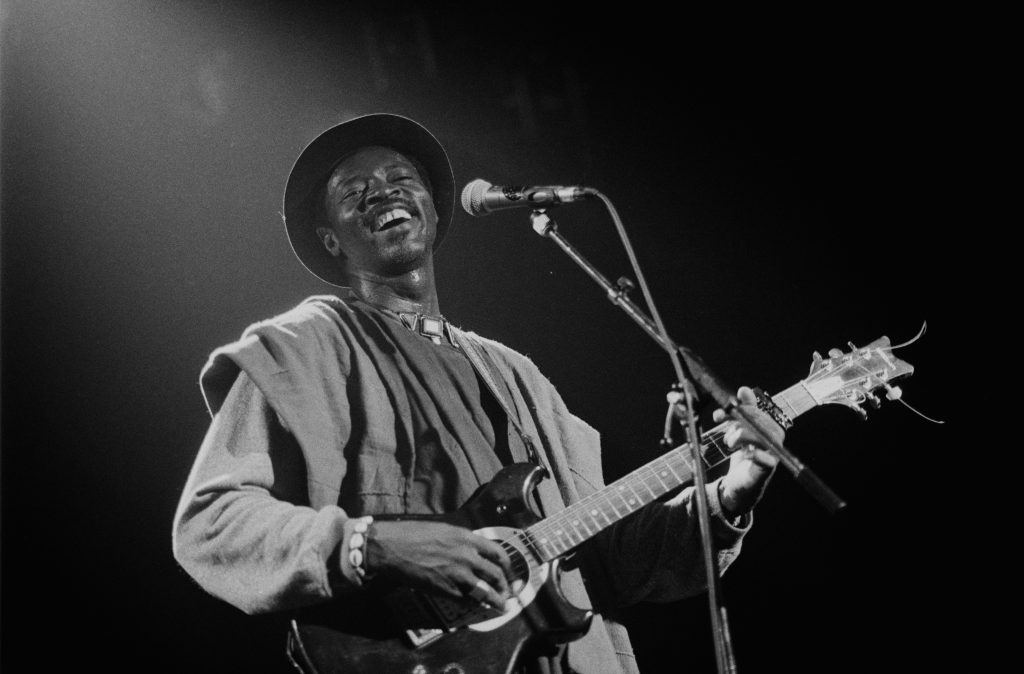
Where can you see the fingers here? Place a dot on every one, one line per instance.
(745, 395)
(759, 457)
(494, 576)
(492, 569)
(493, 552)
(762, 457)
(736, 434)
(733, 435)
(486, 595)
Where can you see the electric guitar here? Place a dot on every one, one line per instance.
(416, 632)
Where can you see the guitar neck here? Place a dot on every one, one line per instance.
(557, 535)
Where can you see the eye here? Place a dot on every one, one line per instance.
(351, 192)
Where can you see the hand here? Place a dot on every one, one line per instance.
(437, 556)
(750, 465)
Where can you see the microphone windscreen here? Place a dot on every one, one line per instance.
(473, 196)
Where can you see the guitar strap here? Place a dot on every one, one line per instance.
(476, 357)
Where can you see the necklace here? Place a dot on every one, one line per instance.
(434, 328)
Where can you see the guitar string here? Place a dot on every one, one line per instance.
(644, 475)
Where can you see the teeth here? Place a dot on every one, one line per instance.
(393, 215)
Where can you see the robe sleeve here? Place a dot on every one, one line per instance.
(656, 554)
(242, 528)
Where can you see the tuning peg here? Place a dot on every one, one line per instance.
(893, 392)
(873, 400)
(816, 361)
(834, 353)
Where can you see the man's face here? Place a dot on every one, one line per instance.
(379, 212)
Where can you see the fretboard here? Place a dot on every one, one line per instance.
(557, 535)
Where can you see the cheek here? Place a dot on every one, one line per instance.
(345, 221)
(427, 208)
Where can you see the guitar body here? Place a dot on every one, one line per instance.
(405, 630)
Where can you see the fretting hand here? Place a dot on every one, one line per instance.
(750, 465)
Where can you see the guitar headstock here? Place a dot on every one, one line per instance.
(852, 378)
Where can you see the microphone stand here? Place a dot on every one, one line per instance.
(690, 370)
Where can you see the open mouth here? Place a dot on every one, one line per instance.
(391, 218)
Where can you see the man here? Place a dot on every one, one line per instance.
(374, 405)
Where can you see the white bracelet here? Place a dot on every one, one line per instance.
(357, 545)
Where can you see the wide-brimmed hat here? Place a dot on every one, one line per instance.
(312, 169)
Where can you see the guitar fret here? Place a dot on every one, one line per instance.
(560, 540)
(715, 442)
(636, 497)
(533, 546)
(784, 401)
(618, 492)
(584, 524)
(643, 481)
(797, 398)
(658, 474)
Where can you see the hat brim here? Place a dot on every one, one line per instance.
(314, 165)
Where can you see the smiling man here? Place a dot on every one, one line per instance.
(342, 426)
(378, 210)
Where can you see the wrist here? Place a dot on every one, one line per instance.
(354, 558)
(731, 508)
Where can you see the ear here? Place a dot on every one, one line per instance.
(330, 240)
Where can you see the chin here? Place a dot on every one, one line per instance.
(404, 258)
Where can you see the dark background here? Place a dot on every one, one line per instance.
(789, 182)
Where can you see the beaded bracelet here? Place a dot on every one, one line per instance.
(357, 545)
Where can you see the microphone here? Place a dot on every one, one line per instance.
(481, 197)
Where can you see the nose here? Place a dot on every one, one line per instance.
(379, 191)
